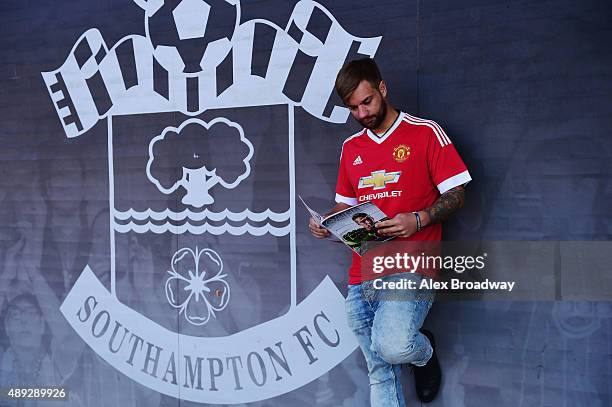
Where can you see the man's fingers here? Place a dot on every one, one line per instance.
(386, 228)
(387, 223)
(315, 227)
(312, 223)
(383, 224)
(320, 231)
(320, 235)
(391, 230)
(317, 231)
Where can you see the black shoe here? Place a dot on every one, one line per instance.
(427, 378)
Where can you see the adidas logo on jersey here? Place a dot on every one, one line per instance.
(357, 160)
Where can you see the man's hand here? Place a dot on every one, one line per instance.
(317, 231)
(401, 225)
(404, 224)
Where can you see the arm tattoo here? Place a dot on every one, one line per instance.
(448, 203)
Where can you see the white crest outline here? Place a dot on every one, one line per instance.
(69, 85)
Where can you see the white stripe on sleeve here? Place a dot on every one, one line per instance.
(346, 200)
(454, 181)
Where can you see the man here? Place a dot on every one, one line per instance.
(366, 222)
(409, 168)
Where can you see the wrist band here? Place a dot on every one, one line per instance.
(419, 227)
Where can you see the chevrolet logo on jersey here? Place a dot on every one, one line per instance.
(379, 179)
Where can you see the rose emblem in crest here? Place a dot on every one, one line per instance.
(197, 285)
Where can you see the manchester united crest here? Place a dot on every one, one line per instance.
(401, 153)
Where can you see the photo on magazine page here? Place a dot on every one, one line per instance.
(356, 226)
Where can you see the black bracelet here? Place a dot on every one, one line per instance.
(419, 227)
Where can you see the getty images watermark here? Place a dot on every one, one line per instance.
(454, 269)
(490, 270)
(405, 262)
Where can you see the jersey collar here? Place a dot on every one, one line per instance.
(379, 139)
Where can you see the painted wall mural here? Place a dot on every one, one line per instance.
(188, 184)
(153, 251)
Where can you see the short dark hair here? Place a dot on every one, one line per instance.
(353, 72)
(360, 215)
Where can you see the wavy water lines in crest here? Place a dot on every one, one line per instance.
(204, 228)
(268, 214)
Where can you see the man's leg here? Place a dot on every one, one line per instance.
(385, 385)
(396, 335)
(399, 316)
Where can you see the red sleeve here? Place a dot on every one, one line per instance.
(345, 192)
(446, 167)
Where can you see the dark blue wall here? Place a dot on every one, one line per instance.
(524, 90)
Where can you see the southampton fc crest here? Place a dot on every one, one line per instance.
(199, 119)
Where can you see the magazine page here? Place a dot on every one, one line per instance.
(314, 214)
(318, 218)
(356, 227)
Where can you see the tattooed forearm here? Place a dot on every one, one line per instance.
(446, 205)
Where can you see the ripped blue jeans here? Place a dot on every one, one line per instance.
(386, 323)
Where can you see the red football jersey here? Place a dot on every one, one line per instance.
(405, 169)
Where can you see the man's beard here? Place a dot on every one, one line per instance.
(375, 121)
